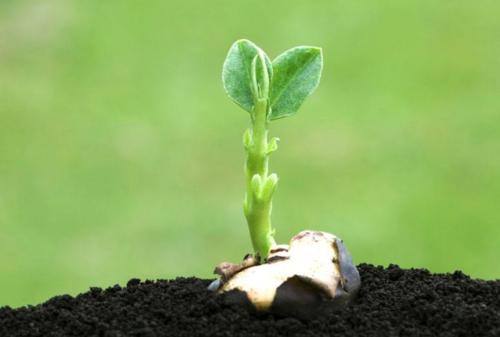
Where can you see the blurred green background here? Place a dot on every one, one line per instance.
(121, 156)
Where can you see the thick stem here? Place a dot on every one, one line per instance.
(260, 185)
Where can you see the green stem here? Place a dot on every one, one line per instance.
(260, 185)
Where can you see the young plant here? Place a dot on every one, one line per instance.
(267, 91)
(287, 279)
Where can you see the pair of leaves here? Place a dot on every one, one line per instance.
(293, 76)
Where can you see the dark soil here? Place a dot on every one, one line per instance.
(391, 302)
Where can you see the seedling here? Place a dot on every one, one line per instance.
(269, 91)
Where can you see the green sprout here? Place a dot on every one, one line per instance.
(268, 91)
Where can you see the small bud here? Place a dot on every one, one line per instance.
(247, 139)
(273, 145)
(269, 186)
(259, 77)
(264, 80)
(257, 186)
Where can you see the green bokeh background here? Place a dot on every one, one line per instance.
(121, 157)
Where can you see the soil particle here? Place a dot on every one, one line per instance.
(391, 302)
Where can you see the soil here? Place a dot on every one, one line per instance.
(391, 302)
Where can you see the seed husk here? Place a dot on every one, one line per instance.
(314, 268)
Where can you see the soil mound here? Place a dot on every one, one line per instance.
(391, 302)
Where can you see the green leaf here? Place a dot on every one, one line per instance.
(296, 74)
(237, 72)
